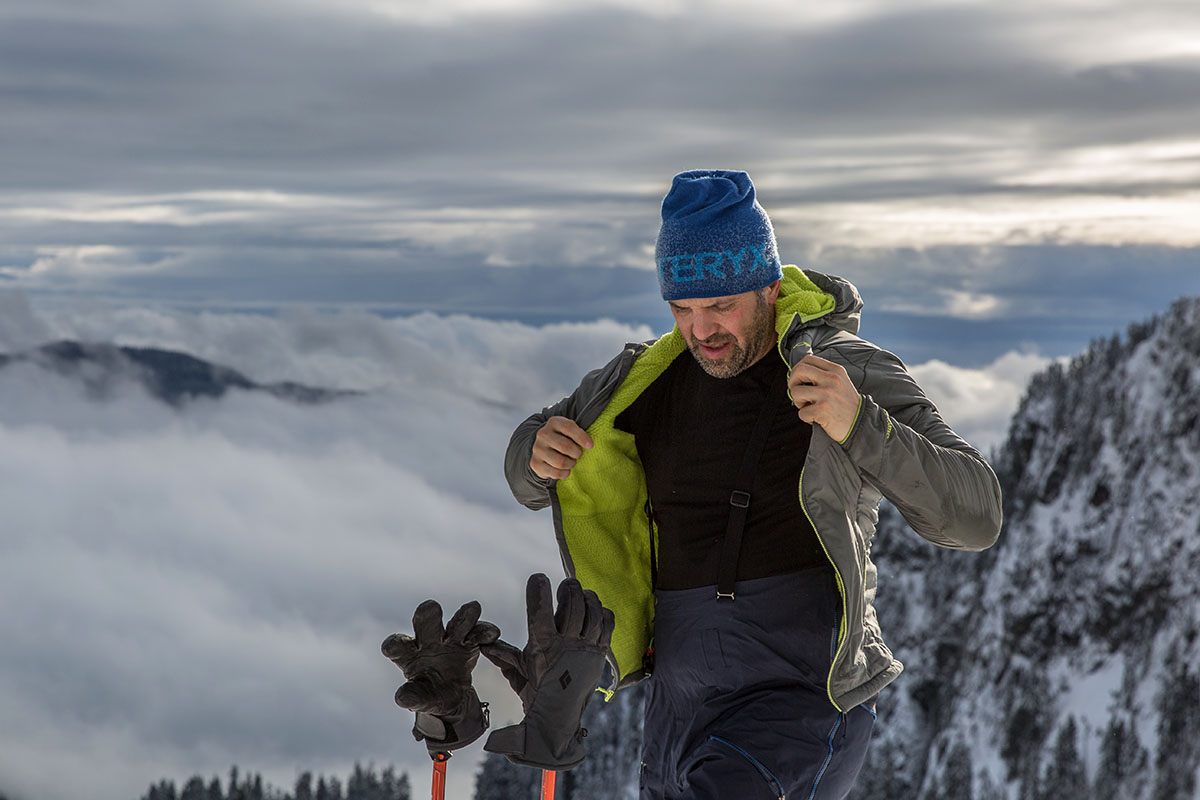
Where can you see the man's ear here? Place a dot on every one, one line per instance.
(772, 293)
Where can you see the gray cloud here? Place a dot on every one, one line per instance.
(489, 111)
(254, 95)
(268, 153)
(211, 586)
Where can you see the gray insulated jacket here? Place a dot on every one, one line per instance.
(899, 448)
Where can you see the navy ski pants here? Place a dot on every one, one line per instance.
(737, 706)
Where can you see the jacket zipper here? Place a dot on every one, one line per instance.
(766, 774)
(606, 392)
(841, 640)
(841, 634)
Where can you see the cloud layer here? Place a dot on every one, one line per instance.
(210, 586)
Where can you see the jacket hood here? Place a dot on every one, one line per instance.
(814, 295)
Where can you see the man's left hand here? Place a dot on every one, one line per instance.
(824, 394)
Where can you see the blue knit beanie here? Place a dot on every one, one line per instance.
(715, 239)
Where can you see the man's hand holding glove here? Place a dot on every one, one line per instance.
(437, 664)
(555, 675)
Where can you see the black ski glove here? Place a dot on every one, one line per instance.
(437, 663)
(555, 675)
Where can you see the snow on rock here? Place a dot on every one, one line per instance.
(1073, 670)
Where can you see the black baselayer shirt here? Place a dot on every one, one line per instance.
(691, 432)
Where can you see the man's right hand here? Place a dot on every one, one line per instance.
(558, 445)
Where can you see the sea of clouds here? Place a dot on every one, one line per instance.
(189, 588)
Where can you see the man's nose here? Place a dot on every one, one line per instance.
(704, 326)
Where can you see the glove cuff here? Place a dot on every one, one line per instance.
(535, 749)
(445, 732)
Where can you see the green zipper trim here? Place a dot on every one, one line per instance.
(841, 591)
(779, 342)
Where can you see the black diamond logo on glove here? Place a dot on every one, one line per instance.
(564, 680)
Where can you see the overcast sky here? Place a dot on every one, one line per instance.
(1002, 182)
(1024, 172)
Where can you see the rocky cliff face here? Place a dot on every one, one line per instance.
(1065, 661)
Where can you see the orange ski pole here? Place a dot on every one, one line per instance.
(548, 777)
(439, 776)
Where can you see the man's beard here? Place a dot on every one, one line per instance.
(760, 337)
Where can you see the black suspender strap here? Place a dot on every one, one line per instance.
(653, 554)
(739, 502)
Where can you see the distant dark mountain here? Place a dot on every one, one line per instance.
(1064, 661)
(170, 376)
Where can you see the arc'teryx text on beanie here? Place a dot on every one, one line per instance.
(715, 239)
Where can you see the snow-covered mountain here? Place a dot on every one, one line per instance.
(1065, 661)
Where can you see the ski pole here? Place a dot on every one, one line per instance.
(439, 776)
(548, 776)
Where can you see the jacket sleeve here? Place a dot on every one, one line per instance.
(943, 487)
(583, 406)
(529, 489)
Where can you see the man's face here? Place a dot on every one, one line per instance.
(728, 334)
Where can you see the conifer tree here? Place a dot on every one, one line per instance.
(364, 783)
(956, 777)
(1177, 758)
(394, 787)
(163, 790)
(500, 779)
(303, 788)
(194, 789)
(1064, 775)
(882, 776)
(1122, 757)
(989, 789)
(953, 782)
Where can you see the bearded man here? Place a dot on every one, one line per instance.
(718, 489)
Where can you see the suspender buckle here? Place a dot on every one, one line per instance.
(740, 499)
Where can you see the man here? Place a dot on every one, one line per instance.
(722, 504)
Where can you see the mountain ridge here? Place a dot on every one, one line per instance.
(171, 376)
